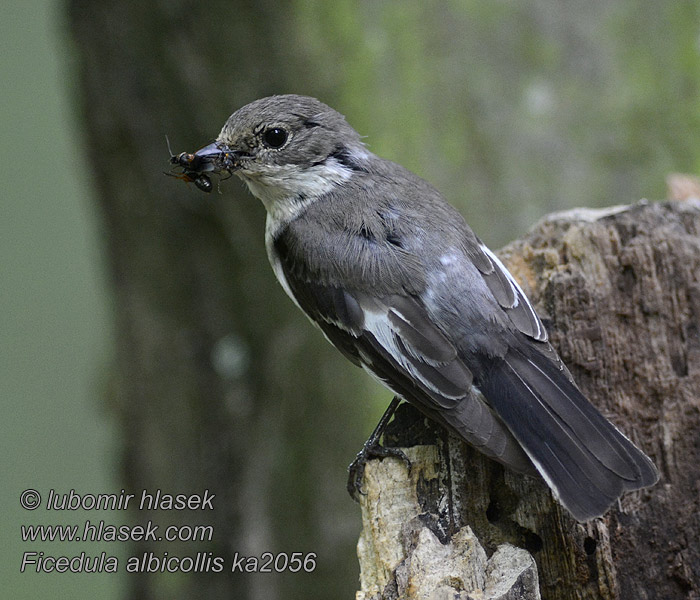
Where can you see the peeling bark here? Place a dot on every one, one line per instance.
(404, 553)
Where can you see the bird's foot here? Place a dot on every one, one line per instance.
(356, 469)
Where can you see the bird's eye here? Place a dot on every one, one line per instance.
(275, 137)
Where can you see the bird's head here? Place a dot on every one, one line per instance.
(285, 147)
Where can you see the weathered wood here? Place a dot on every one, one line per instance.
(620, 293)
(404, 553)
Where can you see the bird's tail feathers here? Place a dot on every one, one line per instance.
(583, 457)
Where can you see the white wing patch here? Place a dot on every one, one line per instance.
(380, 327)
(519, 298)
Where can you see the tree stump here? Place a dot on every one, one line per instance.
(619, 291)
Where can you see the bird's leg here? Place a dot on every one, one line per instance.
(373, 449)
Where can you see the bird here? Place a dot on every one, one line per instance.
(397, 281)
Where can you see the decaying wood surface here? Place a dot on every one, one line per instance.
(619, 290)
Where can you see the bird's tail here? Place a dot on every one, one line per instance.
(586, 461)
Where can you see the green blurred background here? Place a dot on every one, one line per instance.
(512, 109)
(54, 308)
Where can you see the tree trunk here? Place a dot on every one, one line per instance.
(218, 383)
(620, 290)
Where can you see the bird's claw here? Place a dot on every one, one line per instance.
(356, 469)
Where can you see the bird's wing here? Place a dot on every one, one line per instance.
(506, 291)
(392, 336)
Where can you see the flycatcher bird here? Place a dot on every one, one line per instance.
(398, 282)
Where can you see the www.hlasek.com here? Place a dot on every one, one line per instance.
(93, 531)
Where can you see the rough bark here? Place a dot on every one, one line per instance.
(620, 291)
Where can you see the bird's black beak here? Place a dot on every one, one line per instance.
(205, 159)
(214, 157)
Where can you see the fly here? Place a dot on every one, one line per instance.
(192, 167)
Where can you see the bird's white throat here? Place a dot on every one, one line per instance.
(285, 190)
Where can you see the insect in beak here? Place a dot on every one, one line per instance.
(202, 181)
(213, 158)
